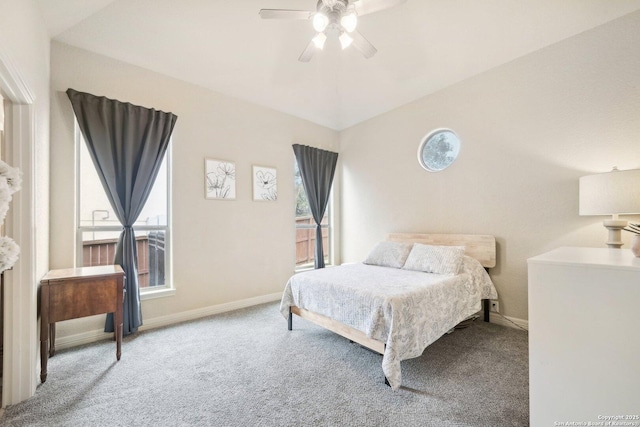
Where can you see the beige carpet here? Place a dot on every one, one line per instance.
(245, 369)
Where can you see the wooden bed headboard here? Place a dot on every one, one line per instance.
(480, 247)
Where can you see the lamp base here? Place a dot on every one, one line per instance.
(615, 227)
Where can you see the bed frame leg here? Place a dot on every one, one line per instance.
(290, 320)
(487, 309)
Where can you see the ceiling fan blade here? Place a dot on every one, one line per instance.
(363, 45)
(285, 14)
(364, 7)
(308, 52)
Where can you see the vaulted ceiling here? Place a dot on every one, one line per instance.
(224, 45)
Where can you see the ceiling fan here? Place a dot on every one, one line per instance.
(334, 16)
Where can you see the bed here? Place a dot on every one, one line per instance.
(392, 310)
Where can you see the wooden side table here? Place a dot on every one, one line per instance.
(78, 292)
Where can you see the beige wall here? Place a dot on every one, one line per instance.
(24, 43)
(223, 251)
(529, 130)
(24, 59)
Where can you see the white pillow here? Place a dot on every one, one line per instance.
(389, 254)
(435, 259)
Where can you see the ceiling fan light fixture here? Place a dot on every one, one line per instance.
(349, 21)
(319, 40)
(345, 40)
(333, 18)
(320, 22)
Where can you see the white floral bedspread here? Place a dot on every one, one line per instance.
(406, 310)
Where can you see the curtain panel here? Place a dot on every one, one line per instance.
(317, 168)
(127, 144)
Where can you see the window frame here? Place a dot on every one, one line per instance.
(328, 226)
(145, 293)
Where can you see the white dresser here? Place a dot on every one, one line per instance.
(584, 337)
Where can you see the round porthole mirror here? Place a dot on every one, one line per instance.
(438, 150)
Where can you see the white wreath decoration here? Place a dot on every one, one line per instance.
(10, 181)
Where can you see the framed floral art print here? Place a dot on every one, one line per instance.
(265, 184)
(219, 179)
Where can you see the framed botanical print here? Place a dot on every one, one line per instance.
(265, 183)
(219, 179)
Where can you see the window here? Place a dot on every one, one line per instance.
(99, 228)
(438, 150)
(306, 228)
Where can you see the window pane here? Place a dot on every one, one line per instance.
(99, 247)
(155, 210)
(95, 209)
(302, 204)
(305, 227)
(306, 244)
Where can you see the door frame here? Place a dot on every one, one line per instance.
(20, 304)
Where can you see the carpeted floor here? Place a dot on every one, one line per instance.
(245, 369)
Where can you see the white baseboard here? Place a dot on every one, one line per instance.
(157, 322)
(502, 320)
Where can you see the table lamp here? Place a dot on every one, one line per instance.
(612, 193)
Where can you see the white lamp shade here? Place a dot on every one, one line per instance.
(611, 193)
(319, 40)
(349, 21)
(320, 22)
(345, 40)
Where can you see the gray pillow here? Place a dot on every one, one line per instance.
(435, 259)
(389, 254)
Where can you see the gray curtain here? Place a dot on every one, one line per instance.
(127, 144)
(317, 168)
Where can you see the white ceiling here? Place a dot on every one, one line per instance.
(423, 46)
